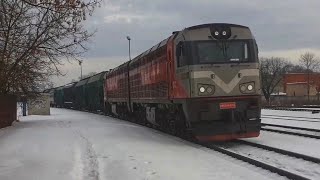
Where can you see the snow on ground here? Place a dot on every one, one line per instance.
(298, 166)
(83, 146)
(302, 145)
(297, 119)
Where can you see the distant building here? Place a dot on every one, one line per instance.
(39, 105)
(296, 84)
(51, 95)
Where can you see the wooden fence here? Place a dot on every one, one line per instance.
(8, 110)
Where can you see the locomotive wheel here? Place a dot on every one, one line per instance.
(172, 126)
(142, 118)
(138, 118)
(133, 118)
(180, 124)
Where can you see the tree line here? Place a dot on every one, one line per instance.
(36, 36)
(274, 68)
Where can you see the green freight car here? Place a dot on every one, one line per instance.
(58, 97)
(94, 92)
(80, 97)
(68, 95)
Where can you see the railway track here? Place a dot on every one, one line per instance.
(291, 127)
(303, 132)
(258, 163)
(294, 109)
(291, 118)
(280, 151)
(266, 163)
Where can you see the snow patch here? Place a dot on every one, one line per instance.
(91, 167)
(77, 171)
(78, 145)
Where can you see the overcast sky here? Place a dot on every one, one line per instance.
(283, 28)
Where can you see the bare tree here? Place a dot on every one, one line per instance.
(309, 61)
(296, 69)
(35, 35)
(272, 71)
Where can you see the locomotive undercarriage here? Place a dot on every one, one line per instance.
(212, 122)
(199, 118)
(166, 117)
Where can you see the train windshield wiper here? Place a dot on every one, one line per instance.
(222, 47)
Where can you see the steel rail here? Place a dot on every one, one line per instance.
(294, 109)
(291, 127)
(299, 117)
(287, 119)
(280, 151)
(254, 162)
(291, 133)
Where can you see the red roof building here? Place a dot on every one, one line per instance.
(296, 84)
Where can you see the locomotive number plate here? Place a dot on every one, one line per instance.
(228, 105)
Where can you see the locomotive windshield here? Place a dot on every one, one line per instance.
(216, 52)
(226, 51)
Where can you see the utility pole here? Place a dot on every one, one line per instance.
(80, 63)
(129, 39)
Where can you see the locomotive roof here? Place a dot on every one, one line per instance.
(69, 85)
(96, 77)
(164, 42)
(153, 48)
(59, 88)
(215, 24)
(82, 82)
(116, 68)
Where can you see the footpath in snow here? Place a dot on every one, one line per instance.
(82, 146)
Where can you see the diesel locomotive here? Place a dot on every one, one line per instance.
(203, 80)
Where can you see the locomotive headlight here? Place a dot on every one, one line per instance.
(202, 89)
(243, 88)
(205, 89)
(216, 33)
(247, 87)
(224, 33)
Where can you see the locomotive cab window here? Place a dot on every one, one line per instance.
(181, 54)
(209, 52)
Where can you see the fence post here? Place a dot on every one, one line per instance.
(8, 110)
(24, 106)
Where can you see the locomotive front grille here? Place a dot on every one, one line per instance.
(210, 110)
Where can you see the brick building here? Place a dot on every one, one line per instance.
(296, 84)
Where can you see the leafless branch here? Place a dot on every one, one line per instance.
(35, 35)
(272, 71)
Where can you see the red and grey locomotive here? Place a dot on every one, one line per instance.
(204, 80)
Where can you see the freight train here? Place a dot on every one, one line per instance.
(203, 80)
